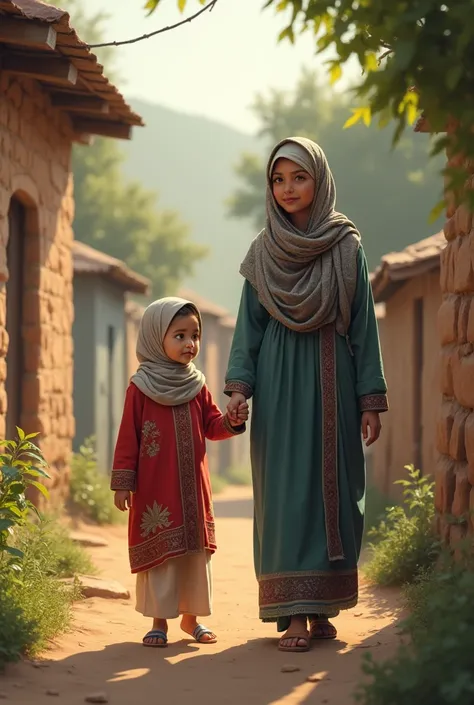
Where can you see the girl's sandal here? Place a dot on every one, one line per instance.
(156, 634)
(201, 631)
(322, 629)
(294, 649)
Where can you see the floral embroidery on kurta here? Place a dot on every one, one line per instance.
(150, 444)
(161, 453)
(153, 518)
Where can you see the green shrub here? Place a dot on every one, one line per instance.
(90, 493)
(58, 555)
(436, 667)
(238, 475)
(404, 544)
(17, 631)
(22, 466)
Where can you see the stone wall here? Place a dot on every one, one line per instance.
(35, 154)
(455, 437)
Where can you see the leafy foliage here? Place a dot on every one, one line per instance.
(34, 604)
(424, 44)
(119, 216)
(90, 493)
(436, 667)
(404, 544)
(312, 110)
(22, 467)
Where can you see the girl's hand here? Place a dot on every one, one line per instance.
(242, 415)
(122, 499)
(371, 427)
(236, 400)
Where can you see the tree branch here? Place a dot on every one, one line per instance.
(207, 8)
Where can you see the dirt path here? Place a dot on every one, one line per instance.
(104, 653)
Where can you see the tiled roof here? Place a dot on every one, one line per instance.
(62, 44)
(89, 261)
(397, 267)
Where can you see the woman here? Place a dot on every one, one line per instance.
(306, 348)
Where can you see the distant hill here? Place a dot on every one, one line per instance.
(189, 160)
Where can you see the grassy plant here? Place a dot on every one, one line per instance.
(404, 545)
(48, 542)
(90, 489)
(238, 475)
(376, 507)
(436, 666)
(17, 631)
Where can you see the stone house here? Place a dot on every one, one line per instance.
(52, 94)
(218, 331)
(407, 284)
(101, 284)
(455, 435)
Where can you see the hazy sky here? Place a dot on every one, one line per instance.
(212, 66)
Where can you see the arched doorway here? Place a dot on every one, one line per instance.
(14, 319)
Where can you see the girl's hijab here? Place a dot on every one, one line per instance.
(305, 280)
(159, 378)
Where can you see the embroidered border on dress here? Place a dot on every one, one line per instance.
(123, 480)
(312, 592)
(211, 532)
(329, 441)
(164, 544)
(241, 387)
(187, 476)
(373, 402)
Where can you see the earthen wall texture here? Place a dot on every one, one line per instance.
(455, 434)
(35, 156)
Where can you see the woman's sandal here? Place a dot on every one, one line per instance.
(156, 634)
(320, 629)
(297, 648)
(201, 631)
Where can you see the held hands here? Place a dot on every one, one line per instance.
(371, 427)
(122, 499)
(237, 409)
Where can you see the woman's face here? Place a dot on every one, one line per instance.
(293, 188)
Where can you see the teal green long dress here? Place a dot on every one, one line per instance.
(308, 392)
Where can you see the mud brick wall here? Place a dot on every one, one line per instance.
(455, 437)
(35, 154)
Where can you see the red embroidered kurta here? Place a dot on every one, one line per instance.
(160, 456)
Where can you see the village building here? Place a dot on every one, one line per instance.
(407, 294)
(52, 94)
(101, 284)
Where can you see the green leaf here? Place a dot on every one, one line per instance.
(437, 211)
(31, 435)
(21, 433)
(40, 487)
(356, 116)
(6, 524)
(335, 73)
(181, 5)
(287, 33)
(371, 63)
(13, 551)
(36, 472)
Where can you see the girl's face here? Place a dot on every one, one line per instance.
(183, 339)
(293, 189)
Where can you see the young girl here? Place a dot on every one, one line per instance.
(160, 471)
(306, 348)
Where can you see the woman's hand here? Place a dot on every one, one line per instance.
(371, 427)
(122, 499)
(237, 399)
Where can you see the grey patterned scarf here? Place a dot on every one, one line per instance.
(159, 378)
(305, 280)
